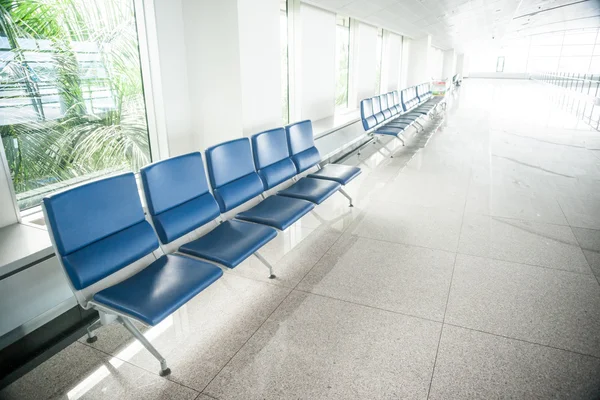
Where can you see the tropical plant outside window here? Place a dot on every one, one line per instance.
(71, 95)
(379, 53)
(285, 104)
(342, 61)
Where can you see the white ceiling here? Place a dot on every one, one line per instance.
(456, 23)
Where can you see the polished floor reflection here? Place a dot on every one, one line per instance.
(468, 268)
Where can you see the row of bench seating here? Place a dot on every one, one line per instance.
(391, 114)
(109, 249)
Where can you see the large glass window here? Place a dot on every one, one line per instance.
(379, 58)
(71, 96)
(285, 97)
(342, 62)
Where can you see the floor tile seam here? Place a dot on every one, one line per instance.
(266, 319)
(509, 222)
(140, 368)
(519, 219)
(244, 344)
(462, 253)
(584, 256)
(206, 395)
(356, 303)
(403, 243)
(449, 291)
(521, 340)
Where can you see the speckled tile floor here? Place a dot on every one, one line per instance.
(468, 269)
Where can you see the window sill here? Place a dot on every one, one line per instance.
(341, 119)
(22, 245)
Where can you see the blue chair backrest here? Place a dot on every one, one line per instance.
(98, 228)
(232, 174)
(385, 109)
(272, 157)
(301, 143)
(397, 102)
(377, 110)
(423, 92)
(409, 98)
(366, 113)
(391, 103)
(177, 195)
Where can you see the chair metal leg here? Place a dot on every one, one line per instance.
(387, 149)
(346, 195)
(262, 260)
(421, 126)
(164, 370)
(400, 138)
(90, 329)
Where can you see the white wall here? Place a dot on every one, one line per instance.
(391, 62)
(460, 63)
(418, 61)
(405, 63)
(316, 93)
(436, 64)
(213, 65)
(365, 59)
(260, 64)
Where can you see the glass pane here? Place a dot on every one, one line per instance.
(342, 60)
(285, 106)
(71, 96)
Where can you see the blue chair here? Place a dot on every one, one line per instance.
(107, 250)
(426, 98)
(410, 103)
(305, 155)
(179, 202)
(395, 119)
(423, 97)
(274, 165)
(234, 180)
(371, 124)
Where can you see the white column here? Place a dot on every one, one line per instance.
(449, 68)
(364, 61)
(390, 66)
(213, 65)
(260, 64)
(460, 62)
(167, 54)
(404, 61)
(418, 62)
(317, 63)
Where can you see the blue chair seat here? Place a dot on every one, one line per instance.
(389, 131)
(314, 190)
(399, 124)
(277, 211)
(408, 117)
(160, 289)
(230, 243)
(341, 174)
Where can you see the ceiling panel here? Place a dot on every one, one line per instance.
(456, 23)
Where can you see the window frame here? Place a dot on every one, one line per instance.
(144, 18)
